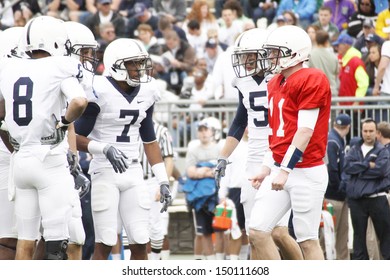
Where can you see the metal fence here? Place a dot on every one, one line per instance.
(182, 122)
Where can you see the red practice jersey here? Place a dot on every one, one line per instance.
(306, 89)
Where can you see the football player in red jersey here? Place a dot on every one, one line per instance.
(293, 171)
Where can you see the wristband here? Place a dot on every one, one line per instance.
(291, 158)
(160, 172)
(64, 121)
(95, 147)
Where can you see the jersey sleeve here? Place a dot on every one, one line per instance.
(314, 92)
(71, 67)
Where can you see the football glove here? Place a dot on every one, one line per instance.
(220, 171)
(166, 196)
(117, 158)
(81, 184)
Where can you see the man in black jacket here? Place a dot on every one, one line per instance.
(369, 167)
(335, 193)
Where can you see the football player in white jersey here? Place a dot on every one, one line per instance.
(252, 112)
(35, 92)
(9, 39)
(83, 48)
(120, 115)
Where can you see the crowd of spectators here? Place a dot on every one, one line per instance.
(179, 34)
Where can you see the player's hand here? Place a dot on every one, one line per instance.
(279, 181)
(259, 178)
(63, 123)
(166, 196)
(81, 184)
(60, 129)
(220, 171)
(117, 158)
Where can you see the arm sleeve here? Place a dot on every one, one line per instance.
(71, 88)
(84, 125)
(146, 130)
(240, 121)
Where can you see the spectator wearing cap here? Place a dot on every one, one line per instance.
(199, 169)
(367, 38)
(335, 192)
(142, 14)
(324, 22)
(383, 21)
(107, 35)
(105, 14)
(353, 78)
(212, 51)
(365, 9)
(368, 165)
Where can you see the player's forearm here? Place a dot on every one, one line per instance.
(72, 138)
(230, 145)
(82, 143)
(76, 108)
(302, 138)
(153, 153)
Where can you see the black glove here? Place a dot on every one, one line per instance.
(117, 158)
(81, 184)
(166, 196)
(220, 171)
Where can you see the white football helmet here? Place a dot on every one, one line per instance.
(83, 44)
(10, 39)
(248, 53)
(286, 47)
(214, 124)
(47, 34)
(127, 60)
